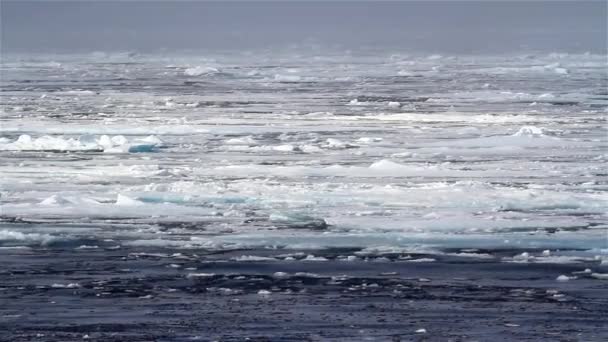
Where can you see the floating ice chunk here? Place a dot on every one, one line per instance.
(122, 200)
(469, 131)
(298, 221)
(35, 238)
(564, 278)
(319, 114)
(404, 73)
(546, 96)
(119, 140)
(253, 258)
(200, 70)
(80, 92)
(55, 200)
(311, 257)
(66, 286)
(422, 260)
(278, 148)
(287, 78)
(151, 139)
(394, 104)
(557, 68)
(472, 255)
(285, 148)
(87, 247)
(200, 275)
(336, 144)
(523, 257)
(602, 276)
(421, 331)
(310, 149)
(387, 165)
(530, 131)
(248, 140)
(368, 140)
(356, 102)
(264, 293)
(434, 57)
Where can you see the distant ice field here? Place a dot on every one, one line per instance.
(296, 150)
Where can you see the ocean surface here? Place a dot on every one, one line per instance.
(294, 155)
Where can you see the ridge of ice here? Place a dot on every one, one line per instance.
(104, 143)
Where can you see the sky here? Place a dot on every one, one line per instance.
(431, 26)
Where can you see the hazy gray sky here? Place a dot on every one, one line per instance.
(455, 26)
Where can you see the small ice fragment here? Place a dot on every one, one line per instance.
(199, 71)
(546, 252)
(284, 148)
(200, 275)
(421, 331)
(525, 256)
(248, 140)
(394, 104)
(264, 293)
(119, 140)
(54, 200)
(546, 96)
(253, 258)
(422, 260)
(602, 276)
(529, 131)
(356, 102)
(562, 278)
(311, 257)
(123, 200)
(367, 140)
(287, 78)
(337, 144)
(297, 220)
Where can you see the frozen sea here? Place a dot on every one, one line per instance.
(286, 157)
